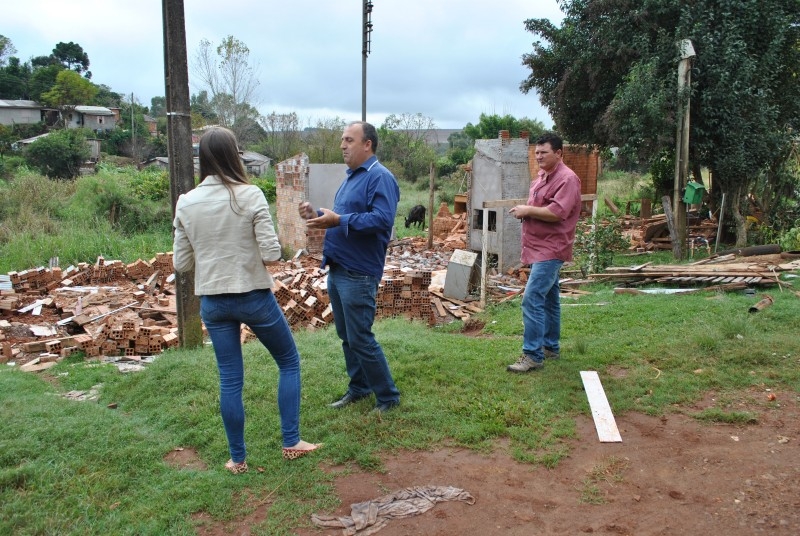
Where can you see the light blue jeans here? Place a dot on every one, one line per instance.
(541, 310)
(352, 298)
(223, 315)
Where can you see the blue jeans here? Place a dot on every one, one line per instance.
(541, 310)
(352, 298)
(223, 315)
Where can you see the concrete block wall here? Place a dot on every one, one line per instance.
(500, 171)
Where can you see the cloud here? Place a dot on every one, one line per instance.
(450, 60)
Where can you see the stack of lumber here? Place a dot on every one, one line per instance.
(708, 272)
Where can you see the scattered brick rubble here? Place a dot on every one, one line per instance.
(126, 313)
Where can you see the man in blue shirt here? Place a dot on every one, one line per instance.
(358, 231)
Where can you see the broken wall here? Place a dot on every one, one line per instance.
(499, 171)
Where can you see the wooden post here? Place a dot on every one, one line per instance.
(673, 234)
(484, 254)
(181, 161)
(431, 190)
(682, 147)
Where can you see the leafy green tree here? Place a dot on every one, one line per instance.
(158, 107)
(202, 111)
(608, 77)
(42, 80)
(60, 154)
(282, 137)
(403, 140)
(14, 80)
(323, 141)
(7, 50)
(70, 89)
(72, 56)
(489, 126)
(106, 97)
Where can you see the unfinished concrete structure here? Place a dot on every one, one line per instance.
(499, 171)
(298, 180)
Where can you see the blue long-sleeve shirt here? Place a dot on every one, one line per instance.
(366, 203)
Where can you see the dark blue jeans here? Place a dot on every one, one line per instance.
(352, 298)
(223, 316)
(541, 310)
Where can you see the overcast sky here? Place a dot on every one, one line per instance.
(449, 60)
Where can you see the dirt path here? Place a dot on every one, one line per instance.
(671, 475)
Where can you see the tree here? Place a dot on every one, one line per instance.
(608, 77)
(158, 107)
(7, 50)
(324, 139)
(489, 126)
(403, 140)
(281, 136)
(14, 80)
(202, 112)
(70, 89)
(59, 155)
(106, 97)
(226, 72)
(72, 56)
(42, 80)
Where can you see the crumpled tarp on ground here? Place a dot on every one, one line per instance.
(369, 517)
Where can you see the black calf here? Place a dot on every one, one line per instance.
(416, 216)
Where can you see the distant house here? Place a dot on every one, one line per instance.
(97, 118)
(20, 112)
(255, 163)
(152, 125)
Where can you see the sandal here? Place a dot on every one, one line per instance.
(292, 453)
(236, 468)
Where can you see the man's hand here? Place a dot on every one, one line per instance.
(520, 211)
(328, 219)
(306, 210)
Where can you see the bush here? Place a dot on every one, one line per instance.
(60, 154)
(268, 186)
(596, 242)
(790, 240)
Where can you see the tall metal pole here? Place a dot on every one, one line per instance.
(181, 160)
(366, 27)
(682, 148)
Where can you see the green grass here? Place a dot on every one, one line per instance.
(69, 467)
(72, 467)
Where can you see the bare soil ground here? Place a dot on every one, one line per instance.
(671, 475)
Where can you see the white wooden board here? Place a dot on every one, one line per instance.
(604, 422)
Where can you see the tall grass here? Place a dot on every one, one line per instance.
(118, 214)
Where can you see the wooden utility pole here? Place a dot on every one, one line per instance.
(682, 147)
(181, 160)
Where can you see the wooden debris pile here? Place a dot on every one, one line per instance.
(653, 233)
(715, 273)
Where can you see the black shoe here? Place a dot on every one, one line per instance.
(386, 406)
(346, 400)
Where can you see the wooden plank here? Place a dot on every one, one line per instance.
(604, 422)
(439, 307)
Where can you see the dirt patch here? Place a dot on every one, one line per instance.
(183, 458)
(473, 327)
(670, 475)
